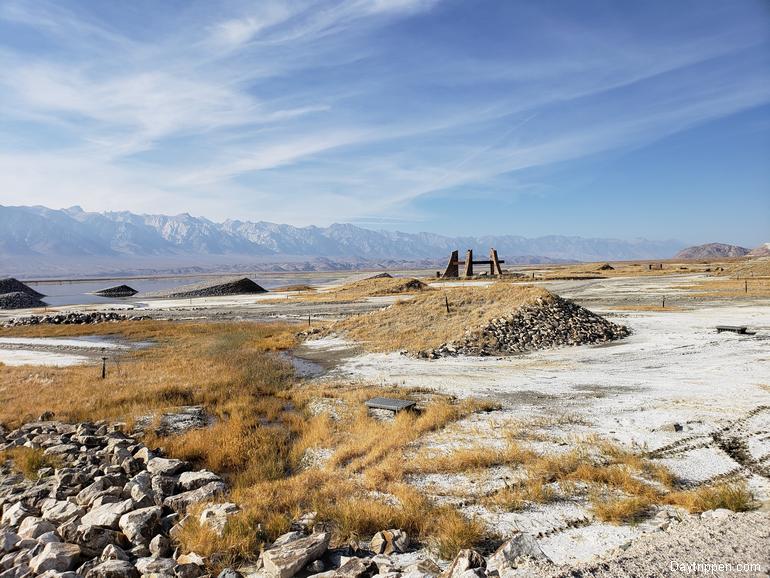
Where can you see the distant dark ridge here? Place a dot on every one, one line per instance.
(237, 286)
(117, 291)
(19, 300)
(11, 285)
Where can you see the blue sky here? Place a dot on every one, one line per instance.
(593, 118)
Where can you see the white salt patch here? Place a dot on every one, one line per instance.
(27, 357)
(700, 465)
(63, 342)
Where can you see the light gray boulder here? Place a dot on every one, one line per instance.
(113, 569)
(215, 516)
(8, 541)
(180, 502)
(286, 560)
(194, 480)
(59, 511)
(107, 515)
(390, 542)
(33, 527)
(140, 526)
(166, 466)
(519, 547)
(56, 556)
(465, 560)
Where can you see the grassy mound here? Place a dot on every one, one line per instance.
(497, 319)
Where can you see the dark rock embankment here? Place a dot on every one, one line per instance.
(221, 288)
(73, 318)
(117, 291)
(545, 324)
(19, 300)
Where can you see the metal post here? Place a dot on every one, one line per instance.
(446, 301)
(104, 367)
(664, 303)
(745, 286)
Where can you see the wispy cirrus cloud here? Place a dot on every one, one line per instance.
(345, 108)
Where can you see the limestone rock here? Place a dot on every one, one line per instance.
(166, 466)
(107, 515)
(465, 560)
(181, 502)
(140, 526)
(285, 561)
(194, 480)
(520, 546)
(389, 542)
(113, 568)
(55, 556)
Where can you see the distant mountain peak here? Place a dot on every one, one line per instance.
(712, 251)
(73, 233)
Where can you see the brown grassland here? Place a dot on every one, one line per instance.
(394, 328)
(266, 424)
(359, 290)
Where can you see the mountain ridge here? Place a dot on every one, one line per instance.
(33, 238)
(712, 251)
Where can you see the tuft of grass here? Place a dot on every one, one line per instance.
(733, 496)
(29, 460)
(620, 510)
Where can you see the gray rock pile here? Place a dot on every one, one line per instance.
(547, 323)
(237, 286)
(11, 285)
(117, 291)
(19, 300)
(73, 318)
(110, 510)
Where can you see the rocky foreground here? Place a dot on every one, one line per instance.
(545, 324)
(112, 508)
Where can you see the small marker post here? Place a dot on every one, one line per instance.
(104, 367)
(446, 301)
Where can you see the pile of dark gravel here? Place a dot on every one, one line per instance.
(19, 300)
(117, 291)
(11, 285)
(235, 286)
(545, 324)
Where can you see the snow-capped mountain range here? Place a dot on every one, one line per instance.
(39, 233)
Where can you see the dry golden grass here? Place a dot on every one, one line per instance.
(211, 364)
(423, 322)
(262, 431)
(358, 290)
(29, 460)
(733, 496)
(620, 510)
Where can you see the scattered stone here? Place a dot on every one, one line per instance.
(464, 561)
(512, 552)
(389, 542)
(55, 556)
(286, 560)
(113, 568)
(215, 516)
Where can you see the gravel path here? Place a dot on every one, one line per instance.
(738, 539)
